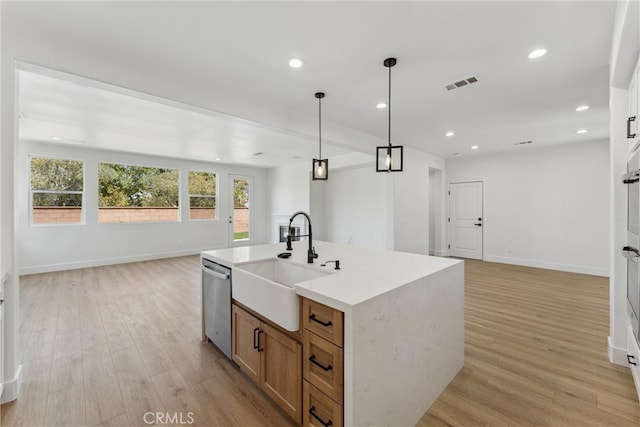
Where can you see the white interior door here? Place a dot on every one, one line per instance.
(465, 220)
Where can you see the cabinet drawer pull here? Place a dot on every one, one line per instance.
(313, 360)
(312, 411)
(255, 338)
(630, 359)
(313, 317)
(629, 120)
(260, 332)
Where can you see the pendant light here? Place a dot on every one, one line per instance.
(389, 157)
(320, 166)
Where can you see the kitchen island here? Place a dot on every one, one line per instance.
(403, 324)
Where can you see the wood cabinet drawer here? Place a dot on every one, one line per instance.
(323, 365)
(323, 321)
(319, 410)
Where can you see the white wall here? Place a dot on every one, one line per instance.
(288, 192)
(58, 247)
(12, 367)
(355, 207)
(544, 206)
(436, 213)
(317, 195)
(8, 365)
(411, 202)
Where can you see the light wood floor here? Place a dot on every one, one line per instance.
(536, 353)
(106, 345)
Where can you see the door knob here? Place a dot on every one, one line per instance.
(479, 224)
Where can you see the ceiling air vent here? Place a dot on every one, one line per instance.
(259, 153)
(523, 143)
(461, 83)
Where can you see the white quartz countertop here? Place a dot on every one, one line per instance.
(364, 273)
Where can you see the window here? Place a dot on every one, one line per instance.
(202, 195)
(137, 194)
(57, 191)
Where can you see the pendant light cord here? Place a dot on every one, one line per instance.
(320, 128)
(389, 108)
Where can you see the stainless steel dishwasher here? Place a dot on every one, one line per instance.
(216, 299)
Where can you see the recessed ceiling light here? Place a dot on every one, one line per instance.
(537, 53)
(218, 159)
(474, 147)
(581, 131)
(449, 133)
(56, 138)
(381, 105)
(296, 63)
(582, 108)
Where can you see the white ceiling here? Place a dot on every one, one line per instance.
(98, 116)
(231, 57)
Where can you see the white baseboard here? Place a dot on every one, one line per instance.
(433, 252)
(595, 271)
(108, 261)
(11, 388)
(617, 355)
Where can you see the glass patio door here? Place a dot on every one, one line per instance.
(241, 215)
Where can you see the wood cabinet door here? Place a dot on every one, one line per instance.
(281, 376)
(244, 341)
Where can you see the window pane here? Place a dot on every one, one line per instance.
(56, 174)
(202, 207)
(202, 195)
(56, 191)
(202, 183)
(241, 213)
(57, 208)
(137, 193)
(57, 199)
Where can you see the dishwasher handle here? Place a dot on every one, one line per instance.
(221, 276)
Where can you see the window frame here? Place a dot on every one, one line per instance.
(83, 209)
(216, 216)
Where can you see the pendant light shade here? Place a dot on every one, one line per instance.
(389, 157)
(320, 166)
